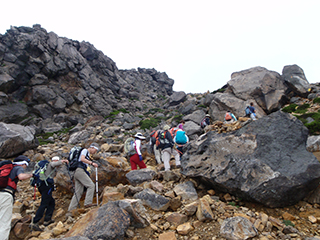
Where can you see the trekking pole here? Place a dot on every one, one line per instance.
(74, 190)
(34, 199)
(97, 186)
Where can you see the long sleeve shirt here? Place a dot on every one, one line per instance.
(137, 146)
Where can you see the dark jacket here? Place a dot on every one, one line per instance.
(170, 143)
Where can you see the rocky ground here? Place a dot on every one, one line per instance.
(271, 223)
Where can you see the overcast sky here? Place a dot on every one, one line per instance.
(199, 44)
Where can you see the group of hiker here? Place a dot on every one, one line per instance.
(42, 179)
(229, 117)
(165, 142)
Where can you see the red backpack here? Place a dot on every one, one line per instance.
(5, 169)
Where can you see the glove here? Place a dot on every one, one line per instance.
(140, 157)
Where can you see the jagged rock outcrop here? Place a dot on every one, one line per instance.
(43, 75)
(265, 161)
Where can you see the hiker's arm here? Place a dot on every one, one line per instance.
(24, 176)
(59, 163)
(89, 162)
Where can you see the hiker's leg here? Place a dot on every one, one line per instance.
(180, 150)
(6, 205)
(157, 154)
(86, 181)
(176, 156)
(133, 160)
(45, 200)
(78, 190)
(253, 117)
(50, 207)
(141, 164)
(166, 154)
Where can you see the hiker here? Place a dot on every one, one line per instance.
(252, 112)
(168, 149)
(136, 159)
(155, 149)
(82, 178)
(229, 117)
(46, 188)
(20, 163)
(181, 124)
(206, 121)
(180, 140)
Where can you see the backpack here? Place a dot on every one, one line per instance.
(73, 158)
(181, 137)
(153, 136)
(38, 174)
(248, 111)
(161, 139)
(173, 131)
(203, 123)
(129, 146)
(228, 116)
(5, 169)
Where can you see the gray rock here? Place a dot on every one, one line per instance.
(176, 98)
(139, 217)
(153, 200)
(296, 79)
(78, 137)
(225, 101)
(266, 87)
(139, 176)
(192, 128)
(16, 139)
(195, 116)
(238, 228)
(186, 190)
(265, 161)
(110, 223)
(313, 143)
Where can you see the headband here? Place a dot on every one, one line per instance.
(95, 147)
(21, 163)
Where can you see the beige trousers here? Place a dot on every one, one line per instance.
(81, 180)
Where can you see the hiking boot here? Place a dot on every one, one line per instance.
(90, 205)
(35, 227)
(46, 223)
(178, 167)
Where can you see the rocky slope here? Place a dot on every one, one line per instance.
(59, 92)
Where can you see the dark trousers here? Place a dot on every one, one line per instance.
(180, 150)
(47, 203)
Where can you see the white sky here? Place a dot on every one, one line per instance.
(199, 44)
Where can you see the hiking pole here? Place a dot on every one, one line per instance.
(97, 186)
(34, 199)
(73, 187)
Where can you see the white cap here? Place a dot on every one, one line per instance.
(55, 158)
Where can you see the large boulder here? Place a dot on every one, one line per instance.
(16, 139)
(266, 87)
(225, 101)
(107, 222)
(265, 161)
(296, 80)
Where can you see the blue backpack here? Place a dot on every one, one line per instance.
(39, 176)
(181, 137)
(248, 111)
